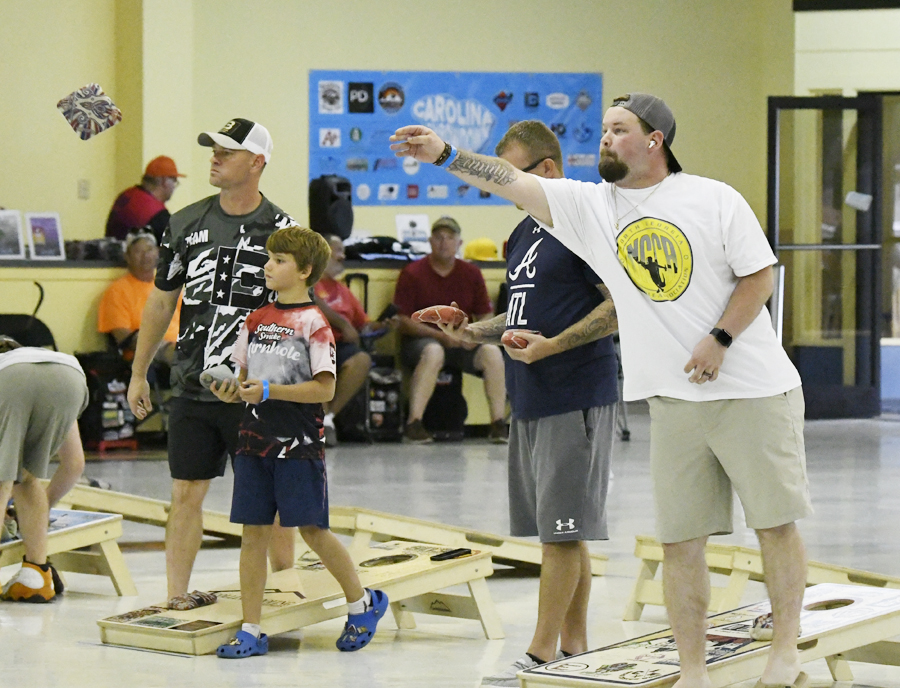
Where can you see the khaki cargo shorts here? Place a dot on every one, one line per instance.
(702, 451)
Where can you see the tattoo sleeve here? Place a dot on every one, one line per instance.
(600, 322)
(492, 170)
(489, 331)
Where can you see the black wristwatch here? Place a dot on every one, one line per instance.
(722, 336)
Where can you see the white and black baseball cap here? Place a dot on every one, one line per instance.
(240, 134)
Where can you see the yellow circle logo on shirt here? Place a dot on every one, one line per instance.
(657, 257)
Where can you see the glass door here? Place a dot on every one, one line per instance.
(824, 224)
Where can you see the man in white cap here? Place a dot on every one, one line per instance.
(689, 268)
(214, 252)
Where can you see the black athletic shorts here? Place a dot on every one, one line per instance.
(343, 351)
(202, 434)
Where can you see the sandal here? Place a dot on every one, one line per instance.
(360, 628)
(244, 644)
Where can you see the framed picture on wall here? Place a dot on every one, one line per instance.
(45, 236)
(12, 240)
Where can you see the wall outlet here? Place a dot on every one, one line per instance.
(84, 189)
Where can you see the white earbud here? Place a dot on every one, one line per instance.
(652, 143)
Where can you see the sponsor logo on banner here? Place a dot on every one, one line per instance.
(356, 134)
(583, 101)
(581, 160)
(330, 138)
(388, 192)
(438, 191)
(357, 164)
(532, 100)
(559, 128)
(360, 97)
(385, 164)
(466, 123)
(557, 101)
(412, 190)
(391, 97)
(462, 190)
(331, 97)
(502, 99)
(329, 164)
(582, 133)
(484, 194)
(363, 191)
(410, 166)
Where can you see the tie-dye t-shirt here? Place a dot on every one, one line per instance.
(285, 344)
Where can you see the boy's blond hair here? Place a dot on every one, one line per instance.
(309, 249)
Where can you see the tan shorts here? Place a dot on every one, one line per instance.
(700, 450)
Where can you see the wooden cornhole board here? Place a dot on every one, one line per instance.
(839, 622)
(740, 564)
(364, 525)
(308, 594)
(138, 509)
(81, 542)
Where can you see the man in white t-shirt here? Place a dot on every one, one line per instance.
(689, 268)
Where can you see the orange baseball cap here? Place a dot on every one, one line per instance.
(162, 166)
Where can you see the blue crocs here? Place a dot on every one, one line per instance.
(244, 644)
(360, 628)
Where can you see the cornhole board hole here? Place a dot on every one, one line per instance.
(366, 525)
(740, 564)
(138, 509)
(840, 623)
(81, 542)
(308, 594)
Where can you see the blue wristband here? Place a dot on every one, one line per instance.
(453, 154)
(265, 384)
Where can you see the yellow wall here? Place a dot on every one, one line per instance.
(847, 51)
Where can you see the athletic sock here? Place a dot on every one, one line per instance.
(536, 659)
(328, 420)
(252, 629)
(361, 605)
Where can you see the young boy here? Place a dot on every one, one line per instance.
(286, 356)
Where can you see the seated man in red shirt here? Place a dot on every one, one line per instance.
(439, 279)
(144, 205)
(348, 321)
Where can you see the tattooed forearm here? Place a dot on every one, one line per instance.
(493, 170)
(600, 322)
(489, 331)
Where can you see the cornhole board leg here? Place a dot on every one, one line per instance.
(81, 542)
(840, 623)
(366, 525)
(308, 594)
(740, 565)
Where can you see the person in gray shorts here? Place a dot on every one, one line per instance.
(563, 389)
(42, 394)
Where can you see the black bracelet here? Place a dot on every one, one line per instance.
(442, 158)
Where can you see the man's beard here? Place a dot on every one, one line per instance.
(611, 168)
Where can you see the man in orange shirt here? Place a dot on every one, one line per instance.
(123, 301)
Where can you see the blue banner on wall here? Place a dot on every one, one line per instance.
(352, 114)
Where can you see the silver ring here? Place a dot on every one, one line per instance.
(705, 374)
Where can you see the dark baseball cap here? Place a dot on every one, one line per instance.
(654, 112)
(446, 222)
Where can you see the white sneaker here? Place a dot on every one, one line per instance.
(507, 677)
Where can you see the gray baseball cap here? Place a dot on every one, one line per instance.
(654, 112)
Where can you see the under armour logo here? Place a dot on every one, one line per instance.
(568, 525)
(529, 258)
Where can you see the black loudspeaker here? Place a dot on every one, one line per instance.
(330, 209)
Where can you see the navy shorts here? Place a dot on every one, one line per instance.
(297, 489)
(202, 435)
